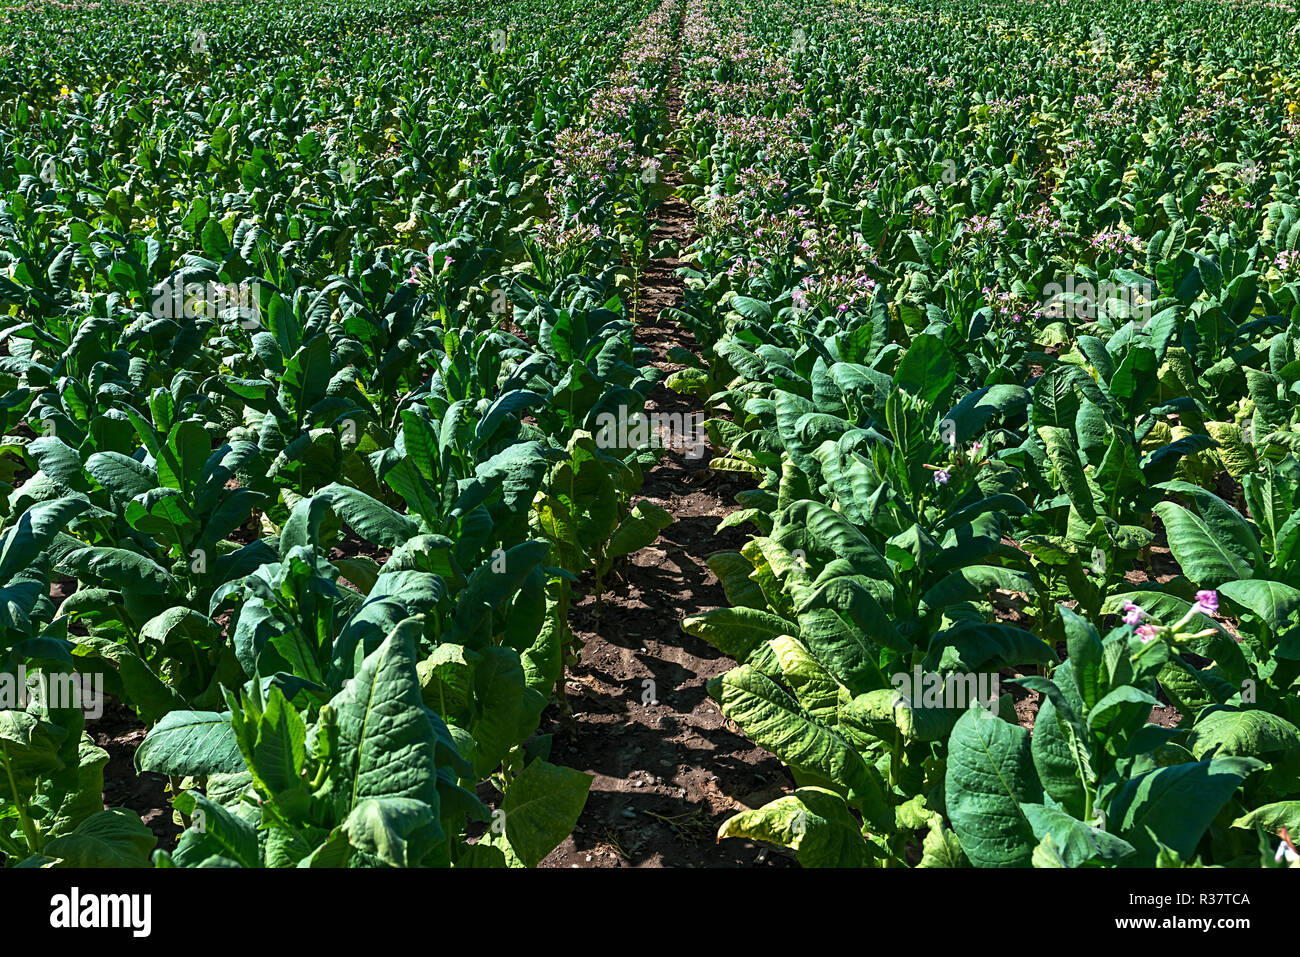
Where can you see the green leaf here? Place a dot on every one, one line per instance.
(989, 776)
(1175, 804)
(371, 519)
(1076, 842)
(1061, 452)
(1274, 603)
(1204, 558)
(927, 370)
(639, 529)
(216, 832)
(395, 832)
(814, 822)
(736, 632)
(1249, 733)
(272, 741)
(540, 809)
(773, 720)
(386, 735)
(190, 744)
(942, 848)
(112, 838)
(1272, 817)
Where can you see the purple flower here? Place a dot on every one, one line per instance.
(1133, 615)
(1207, 602)
(941, 477)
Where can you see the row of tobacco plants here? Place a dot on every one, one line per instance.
(1001, 304)
(309, 312)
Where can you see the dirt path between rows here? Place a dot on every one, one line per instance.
(669, 767)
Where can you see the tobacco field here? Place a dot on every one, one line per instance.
(650, 432)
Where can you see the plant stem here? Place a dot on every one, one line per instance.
(28, 825)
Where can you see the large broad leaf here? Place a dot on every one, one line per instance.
(1273, 817)
(1225, 523)
(970, 416)
(190, 743)
(817, 754)
(973, 583)
(814, 822)
(504, 710)
(386, 735)
(29, 749)
(817, 690)
(539, 811)
(1274, 603)
(981, 645)
(1248, 733)
(140, 685)
(842, 648)
(370, 519)
(1076, 842)
(112, 838)
(736, 632)
(1204, 557)
(942, 848)
(824, 535)
(1175, 804)
(35, 532)
(393, 832)
(272, 739)
(927, 370)
(989, 776)
(124, 569)
(1060, 445)
(1061, 746)
(639, 529)
(1086, 655)
(216, 831)
(888, 713)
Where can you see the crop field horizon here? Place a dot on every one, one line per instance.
(649, 433)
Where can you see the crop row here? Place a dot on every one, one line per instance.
(1001, 311)
(309, 315)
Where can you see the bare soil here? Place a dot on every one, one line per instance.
(119, 732)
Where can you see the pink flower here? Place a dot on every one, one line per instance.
(1146, 633)
(1133, 615)
(1207, 602)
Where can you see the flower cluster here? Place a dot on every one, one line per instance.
(1116, 242)
(1207, 603)
(1287, 261)
(1043, 222)
(558, 239)
(1009, 307)
(585, 155)
(840, 292)
(1223, 207)
(612, 107)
